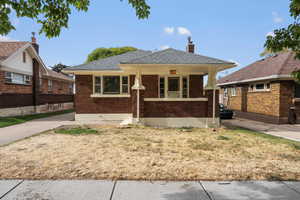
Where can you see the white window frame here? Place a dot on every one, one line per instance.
(225, 92)
(265, 89)
(71, 89)
(233, 91)
(167, 85)
(101, 94)
(26, 79)
(50, 85)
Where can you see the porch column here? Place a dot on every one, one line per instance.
(139, 100)
(211, 82)
(211, 88)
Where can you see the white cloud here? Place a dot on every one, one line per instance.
(4, 38)
(277, 18)
(164, 47)
(183, 31)
(169, 30)
(270, 34)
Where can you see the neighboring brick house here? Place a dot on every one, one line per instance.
(163, 88)
(26, 85)
(264, 90)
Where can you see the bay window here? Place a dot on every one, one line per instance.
(111, 85)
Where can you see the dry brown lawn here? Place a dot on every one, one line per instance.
(143, 153)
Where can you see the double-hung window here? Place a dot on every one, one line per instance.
(15, 78)
(233, 91)
(225, 92)
(162, 87)
(111, 85)
(173, 87)
(50, 85)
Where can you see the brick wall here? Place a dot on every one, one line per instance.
(58, 87)
(270, 106)
(85, 104)
(266, 103)
(175, 109)
(235, 102)
(196, 86)
(151, 84)
(209, 95)
(13, 88)
(286, 98)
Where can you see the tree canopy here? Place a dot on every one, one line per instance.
(59, 67)
(107, 52)
(289, 37)
(53, 15)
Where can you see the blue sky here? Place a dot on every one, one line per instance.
(227, 29)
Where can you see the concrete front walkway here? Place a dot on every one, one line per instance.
(16, 132)
(287, 131)
(139, 190)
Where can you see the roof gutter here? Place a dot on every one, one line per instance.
(289, 77)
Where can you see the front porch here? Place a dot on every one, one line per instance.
(162, 89)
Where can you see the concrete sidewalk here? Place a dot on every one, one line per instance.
(140, 190)
(287, 131)
(16, 132)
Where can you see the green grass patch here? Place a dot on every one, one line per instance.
(9, 121)
(222, 137)
(271, 138)
(77, 131)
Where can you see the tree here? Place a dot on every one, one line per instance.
(288, 38)
(53, 15)
(268, 52)
(107, 52)
(59, 67)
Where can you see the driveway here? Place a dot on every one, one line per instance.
(287, 131)
(157, 190)
(16, 132)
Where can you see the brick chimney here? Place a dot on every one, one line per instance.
(34, 43)
(190, 47)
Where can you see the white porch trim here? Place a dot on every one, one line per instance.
(176, 99)
(289, 77)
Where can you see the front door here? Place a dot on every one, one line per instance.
(173, 87)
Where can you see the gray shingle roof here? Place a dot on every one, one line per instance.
(173, 56)
(110, 63)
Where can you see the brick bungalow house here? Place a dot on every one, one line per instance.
(27, 86)
(163, 88)
(264, 90)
